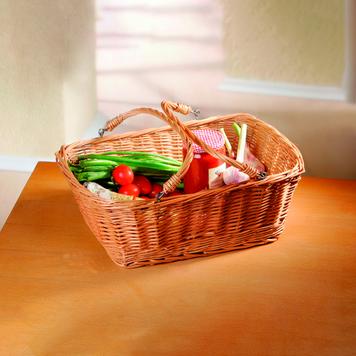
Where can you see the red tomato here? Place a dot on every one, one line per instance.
(143, 183)
(123, 175)
(130, 189)
(156, 188)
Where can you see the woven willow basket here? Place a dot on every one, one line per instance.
(138, 233)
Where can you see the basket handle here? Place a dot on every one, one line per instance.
(186, 135)
(168, 107)
(171, 184)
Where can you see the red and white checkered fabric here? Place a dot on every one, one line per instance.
(213, 138)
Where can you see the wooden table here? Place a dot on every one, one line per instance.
(62, 295)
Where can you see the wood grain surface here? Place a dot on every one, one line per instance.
(62, 295)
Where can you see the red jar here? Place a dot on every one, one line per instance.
(205, 171)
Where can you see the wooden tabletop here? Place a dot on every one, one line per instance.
(62, 295)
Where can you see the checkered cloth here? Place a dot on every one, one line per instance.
(213, 138)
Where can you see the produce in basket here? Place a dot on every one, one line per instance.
(205, 171)
(130, 189)
(233, 175)
(136, 173)
(156, 189)
(227, 144)
(248, 156)
(144, 184)
(122, 175)
(101, 192)
(117, 171)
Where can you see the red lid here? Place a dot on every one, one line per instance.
(213, 138)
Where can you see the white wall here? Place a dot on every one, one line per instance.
(47, 74)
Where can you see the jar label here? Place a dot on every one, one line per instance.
(216, 176)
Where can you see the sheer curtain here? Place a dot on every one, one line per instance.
(153, 50)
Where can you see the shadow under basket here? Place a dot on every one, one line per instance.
(147, 232)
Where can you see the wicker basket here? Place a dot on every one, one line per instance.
(139, 233)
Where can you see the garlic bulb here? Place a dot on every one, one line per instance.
(232, 175)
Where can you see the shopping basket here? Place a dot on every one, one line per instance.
(147, 232)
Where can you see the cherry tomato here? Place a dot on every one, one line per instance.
(130, 189)
(145, 198)
(143, 183)
(123, 175)
(156, 188)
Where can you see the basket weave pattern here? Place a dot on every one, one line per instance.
(139, 233)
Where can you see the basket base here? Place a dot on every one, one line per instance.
(165, 257)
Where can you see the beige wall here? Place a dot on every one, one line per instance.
(47, 74)
(296, 41)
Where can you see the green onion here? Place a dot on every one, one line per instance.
(227, 142)
(115, 160)
(240, 154)
(237, 129)
(97, 169)
(75, 169)
(133, 154)
(97, 162)
(91, 176)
